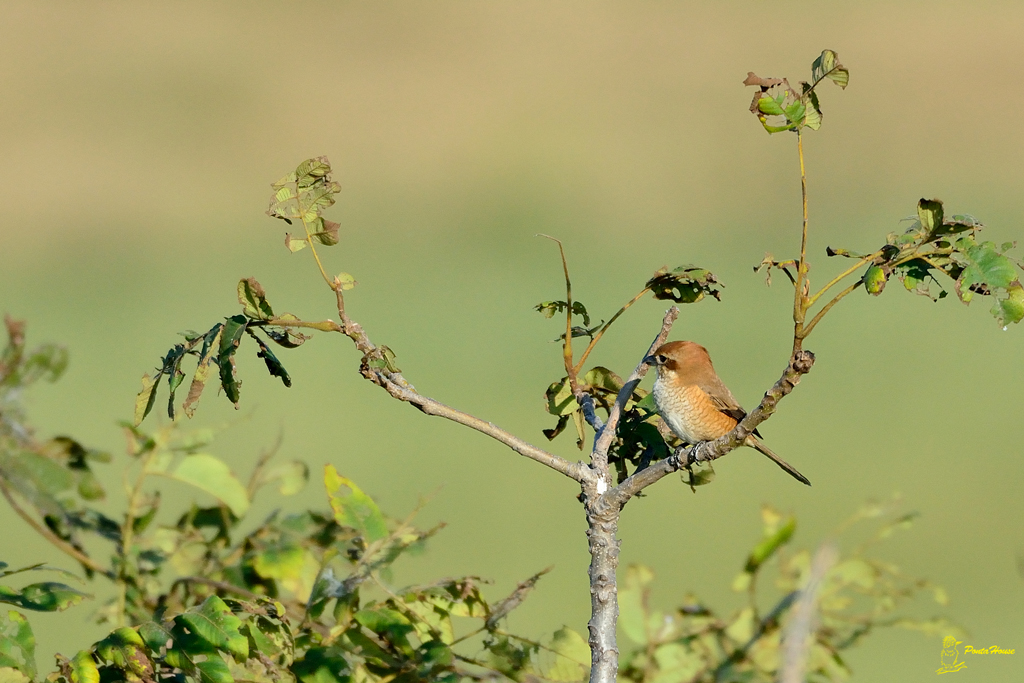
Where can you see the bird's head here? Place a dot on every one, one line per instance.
(681, 360)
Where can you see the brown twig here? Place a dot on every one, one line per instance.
(60, 543)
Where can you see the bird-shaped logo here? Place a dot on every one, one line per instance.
(694, 402)
(950, 656)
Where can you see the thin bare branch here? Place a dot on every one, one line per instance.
(706, 451)
(62, 545)
(600, 333)
(396, 385)
(567, 344)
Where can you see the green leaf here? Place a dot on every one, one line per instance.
(254, 299)
(212, 475)
(303, 195)
(280, 560)
(126, 650)
(352, 507)
(768, 105)
(294, 244)
(210, 352)
(214, 623)
(874, 280)
(767, 547)
(812, 117)
(172, 369)
(48, 596)
(795, 112)
(230, 337)
(344, 281)
(683, 284)
(274, 366)
(633, 600)
(827, 66)
(146, 398)
(155, 636)
(1009, 308)
(214, 670)
(291, 477)
(83, 668)
(984, 269)
(647, 403)
(929, 212)
(600, 377)
(560, 400)
(12, 675)
(285, 336)
(573, 657)
(323, 665)
(17, 643)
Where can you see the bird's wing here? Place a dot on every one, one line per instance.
(723, 399)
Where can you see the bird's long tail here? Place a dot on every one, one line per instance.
(756, 444)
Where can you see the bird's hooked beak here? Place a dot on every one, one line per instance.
(651, 360)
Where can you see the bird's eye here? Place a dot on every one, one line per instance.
(661, 358)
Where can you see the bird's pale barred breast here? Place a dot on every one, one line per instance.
(689, 412)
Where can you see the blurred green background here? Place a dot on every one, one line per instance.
(139, 141)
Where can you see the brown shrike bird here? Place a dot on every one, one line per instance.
(694, 402)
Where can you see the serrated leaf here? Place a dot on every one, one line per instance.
(253, 298)
(214, 623)
(230, 338)
(304, 194)
(212, 475)
(352, 507)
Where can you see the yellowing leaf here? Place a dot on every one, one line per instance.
(212, 475)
